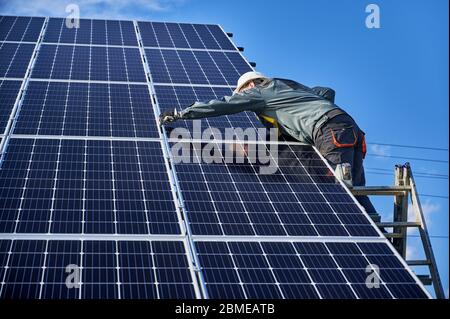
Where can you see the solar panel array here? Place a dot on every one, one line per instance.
(87, 180)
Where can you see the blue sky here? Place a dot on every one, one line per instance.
(393, 80)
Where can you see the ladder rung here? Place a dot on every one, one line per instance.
(393, 235)
(418, 262)
(380, 190)
(425, 279)
(398, 224)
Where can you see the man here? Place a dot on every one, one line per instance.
(300, 113)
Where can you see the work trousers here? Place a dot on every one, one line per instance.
(340, 140)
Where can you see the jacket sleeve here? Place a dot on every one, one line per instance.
(250, 100)
(325, 92)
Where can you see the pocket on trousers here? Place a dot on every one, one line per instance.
(344, 136)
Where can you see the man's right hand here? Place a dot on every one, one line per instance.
(169, 116)
(238, 149)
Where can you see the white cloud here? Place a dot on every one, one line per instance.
(109, 9)
(411, 252)
(428, 208)
(380, 150)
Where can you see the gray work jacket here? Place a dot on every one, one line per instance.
(290, 106)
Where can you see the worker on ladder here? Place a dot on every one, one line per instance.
(300, 113)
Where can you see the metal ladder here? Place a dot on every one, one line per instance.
(404, 189)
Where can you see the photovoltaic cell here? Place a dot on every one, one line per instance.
(86, 109)
(9, 91)
(301, 270)
(78, 186)
(20, 28)
(101, 32)
(14, 59)
(108, 269)
(89, 63)
(226, 198)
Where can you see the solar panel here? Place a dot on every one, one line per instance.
(25, 29)
(14, 59)
(195, 67)
(299, 199)
(92, 186)
(108, 269)
(88, 180)
(86, 109)
(89, 63)
(183, 35)
(104, 32)
(9, 91)
(302, 270)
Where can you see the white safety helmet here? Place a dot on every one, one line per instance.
(247, 77)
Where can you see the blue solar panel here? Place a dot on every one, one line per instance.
(14, 59)
(89, 63)
(20, 28)
(231, 199)
(78, 186)
(195, 67)
(82, 109)
(92, 32)
(304, 270)
(110, 270)
(194, 36)
(9, 91)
